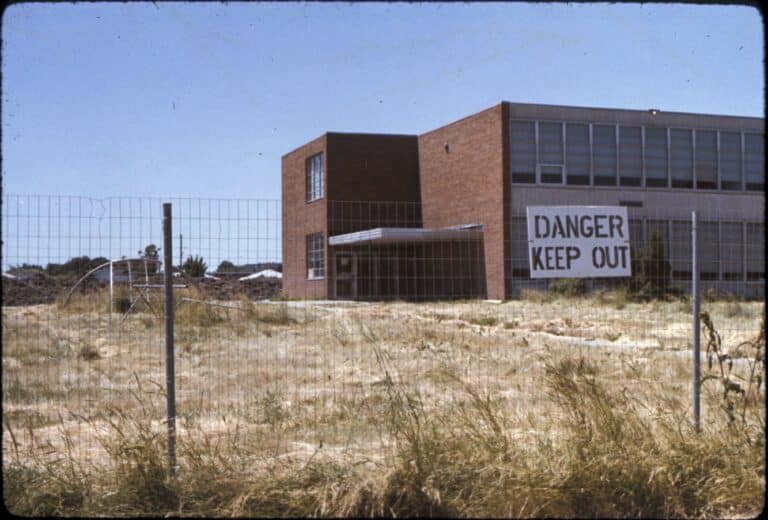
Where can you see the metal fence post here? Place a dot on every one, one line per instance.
(169, 356)
(696, 330)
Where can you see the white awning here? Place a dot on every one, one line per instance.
(395, 235)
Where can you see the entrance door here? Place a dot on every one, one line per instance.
(346, 276)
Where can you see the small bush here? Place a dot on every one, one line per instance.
(195, 266)
(651, 270)
(88, 352)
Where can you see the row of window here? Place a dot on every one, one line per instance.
(617, 155)
(728, 251)
(314, 169)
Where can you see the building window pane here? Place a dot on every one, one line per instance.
(519, 248)
(754, 161)
(681, 158)
(636, 238)
(630, 156)
(551, 152)
(315, 256)
(522, 151)
(707, 242)
(314, 177)
(604, 154)
(731, 244)
(656, 157)
(659, 227)
(680, 251)
(706, 159)
(577, 154)
(730, 161)
(755, 251)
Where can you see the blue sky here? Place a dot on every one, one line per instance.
(202, 100)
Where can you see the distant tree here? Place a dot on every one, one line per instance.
(25, 267)
(151, 252)
(76, 266)
(195, 266)
(225, 267)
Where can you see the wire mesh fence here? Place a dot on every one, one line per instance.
(346, 336)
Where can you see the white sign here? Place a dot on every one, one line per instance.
(578, 241)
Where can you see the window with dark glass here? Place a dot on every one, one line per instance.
(519, 248)
(681, 157)
(630, 155)
(754, 161)
(755, 251)
(706, 159)
(315, 256)
(577, 154)
(314, 177)
(731, 244)
(730, 161)
(709, 255)
(680, 250)
(551, 153)
(522, 150)
(636, 238)
(604, 155)
(656, 157)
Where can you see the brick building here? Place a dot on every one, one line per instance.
(442, 214)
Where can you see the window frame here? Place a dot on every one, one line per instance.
(310, 183)
(312, 251)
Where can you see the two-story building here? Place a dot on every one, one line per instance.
(442, 214)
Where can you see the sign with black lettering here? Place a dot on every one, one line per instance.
(578, 241)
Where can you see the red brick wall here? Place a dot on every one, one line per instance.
(373, 182)
(369, 168)
(466, 184)
(300, 219)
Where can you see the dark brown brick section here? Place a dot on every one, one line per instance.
(373, 182)
(300, 219)
(370, 180)
(464, 183)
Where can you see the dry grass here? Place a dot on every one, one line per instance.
(565, 408)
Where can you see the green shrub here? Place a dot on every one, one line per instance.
(195, 266)
(651, 270)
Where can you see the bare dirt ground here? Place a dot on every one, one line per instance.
(314, 361)
(312, 381)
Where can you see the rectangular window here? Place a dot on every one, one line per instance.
(315, 256)
(315, 177)
(522, 148)
(681, 158)
(519, 248)
(730, 161)
(604, 154)
(680, 250)
(731, 244)
(754, 161)
(577, 154)
(656, 157)
(551, 153)
(659, 227)
(630, 155)
(709, 255)
(755, 251)
(706, 159)
(636, 238)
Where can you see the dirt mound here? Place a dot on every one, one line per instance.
(233, 289)
(40, 288)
